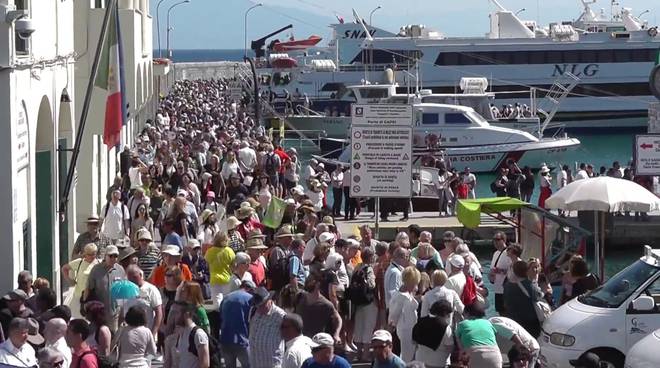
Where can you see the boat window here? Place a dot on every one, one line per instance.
(281, 79)
(547, 57)
(605, 56)
(619, 288)
(456, 118)
(428, 118)
(373, 92)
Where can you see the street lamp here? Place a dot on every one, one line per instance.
(160, 54)
(520, 11)
(372, 13)
(245, 25)
(169, 11)
(642, 13)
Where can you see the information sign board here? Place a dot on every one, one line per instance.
(647, 154)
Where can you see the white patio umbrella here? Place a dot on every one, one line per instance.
(603, 194)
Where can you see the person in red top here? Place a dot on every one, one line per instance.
(82, 355)
(171, 257)
(284, 159)
(245, 214)
(255, 248)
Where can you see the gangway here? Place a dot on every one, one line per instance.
(554, 96)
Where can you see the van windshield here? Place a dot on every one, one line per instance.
(617, 289)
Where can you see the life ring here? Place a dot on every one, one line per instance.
(653, 31)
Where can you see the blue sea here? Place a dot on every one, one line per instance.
(183, 55)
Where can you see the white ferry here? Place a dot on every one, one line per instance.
(612, 56)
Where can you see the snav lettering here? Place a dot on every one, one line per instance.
(358, 33)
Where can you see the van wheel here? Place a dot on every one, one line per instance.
(613, 357)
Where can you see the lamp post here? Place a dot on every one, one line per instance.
(520, 11)
(246, 27)
(169, 12)
(160, 53)
(372, 13)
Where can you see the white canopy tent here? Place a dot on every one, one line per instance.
(603, 194)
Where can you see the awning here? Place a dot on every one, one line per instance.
(469, 210)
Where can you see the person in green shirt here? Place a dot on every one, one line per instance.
(191, 293)
(476, 337)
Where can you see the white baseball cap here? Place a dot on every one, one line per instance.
(322, 339)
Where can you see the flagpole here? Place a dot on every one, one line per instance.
(112, 6)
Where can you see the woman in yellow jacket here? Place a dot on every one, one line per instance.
(220, 258)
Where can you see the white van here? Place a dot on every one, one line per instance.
(606, 321)
(644, 354)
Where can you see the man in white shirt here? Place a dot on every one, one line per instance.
(471, 180)
(322, 235)
(297, 347)
(337, 182)
(184, 320)
(54, 333)
(500, 265)
(457, 278)
(509, 334)
(16, 351)
(309, 171)
(150, 299)
(582, 173)
(440, 292)
(562, 177)
(247, 158)
(115, 218)
(392, 279)
(135, 172)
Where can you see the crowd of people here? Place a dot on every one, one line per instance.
(217, 247)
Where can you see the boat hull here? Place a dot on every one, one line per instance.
(486, 158)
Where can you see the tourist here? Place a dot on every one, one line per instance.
(510, 335)
(220, 258)
(316, 310)
(171, 257)
(115, 218)
(323, 353)
(545, 185)
(192, 343)
(582, 280)
(265, 335)
(92, 235)
(234, 316)
(191, 293)
(500, 265)
(240, 272)
(471, 180)
(393, 277)
(51, 358)
(441, 293)
(298, 347)
(457, 279)
(363, 285)
(100, 336)
(337, 183)
(148, 255)
(141, 220)
(136, 342)
(476, 336)
(381, 343)
(403, 311)
(257, 268)
(99, 282)
(193, 258)
(54, 333)
(433, 334)
(77, 272)
(149, 299)
(519, 298)
(582, 172)
(77, 335)
(297, 271)
(527, 185)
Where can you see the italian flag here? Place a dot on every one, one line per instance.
(110, 77)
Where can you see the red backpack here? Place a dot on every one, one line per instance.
(469, 295)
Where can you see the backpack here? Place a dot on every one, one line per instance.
(278, 272)
(493, 187)
(358, 291)
(469, 295)
(272, 164)
(541, 307)
(214, 352)
(102, 361)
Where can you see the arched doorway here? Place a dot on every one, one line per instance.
(43, 173)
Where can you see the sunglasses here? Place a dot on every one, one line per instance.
(169, 275)
(113, 255)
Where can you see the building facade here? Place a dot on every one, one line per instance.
(36, 102)
(97, 165)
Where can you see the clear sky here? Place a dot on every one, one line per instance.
(218, 24)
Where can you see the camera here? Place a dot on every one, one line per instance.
(24, 27)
